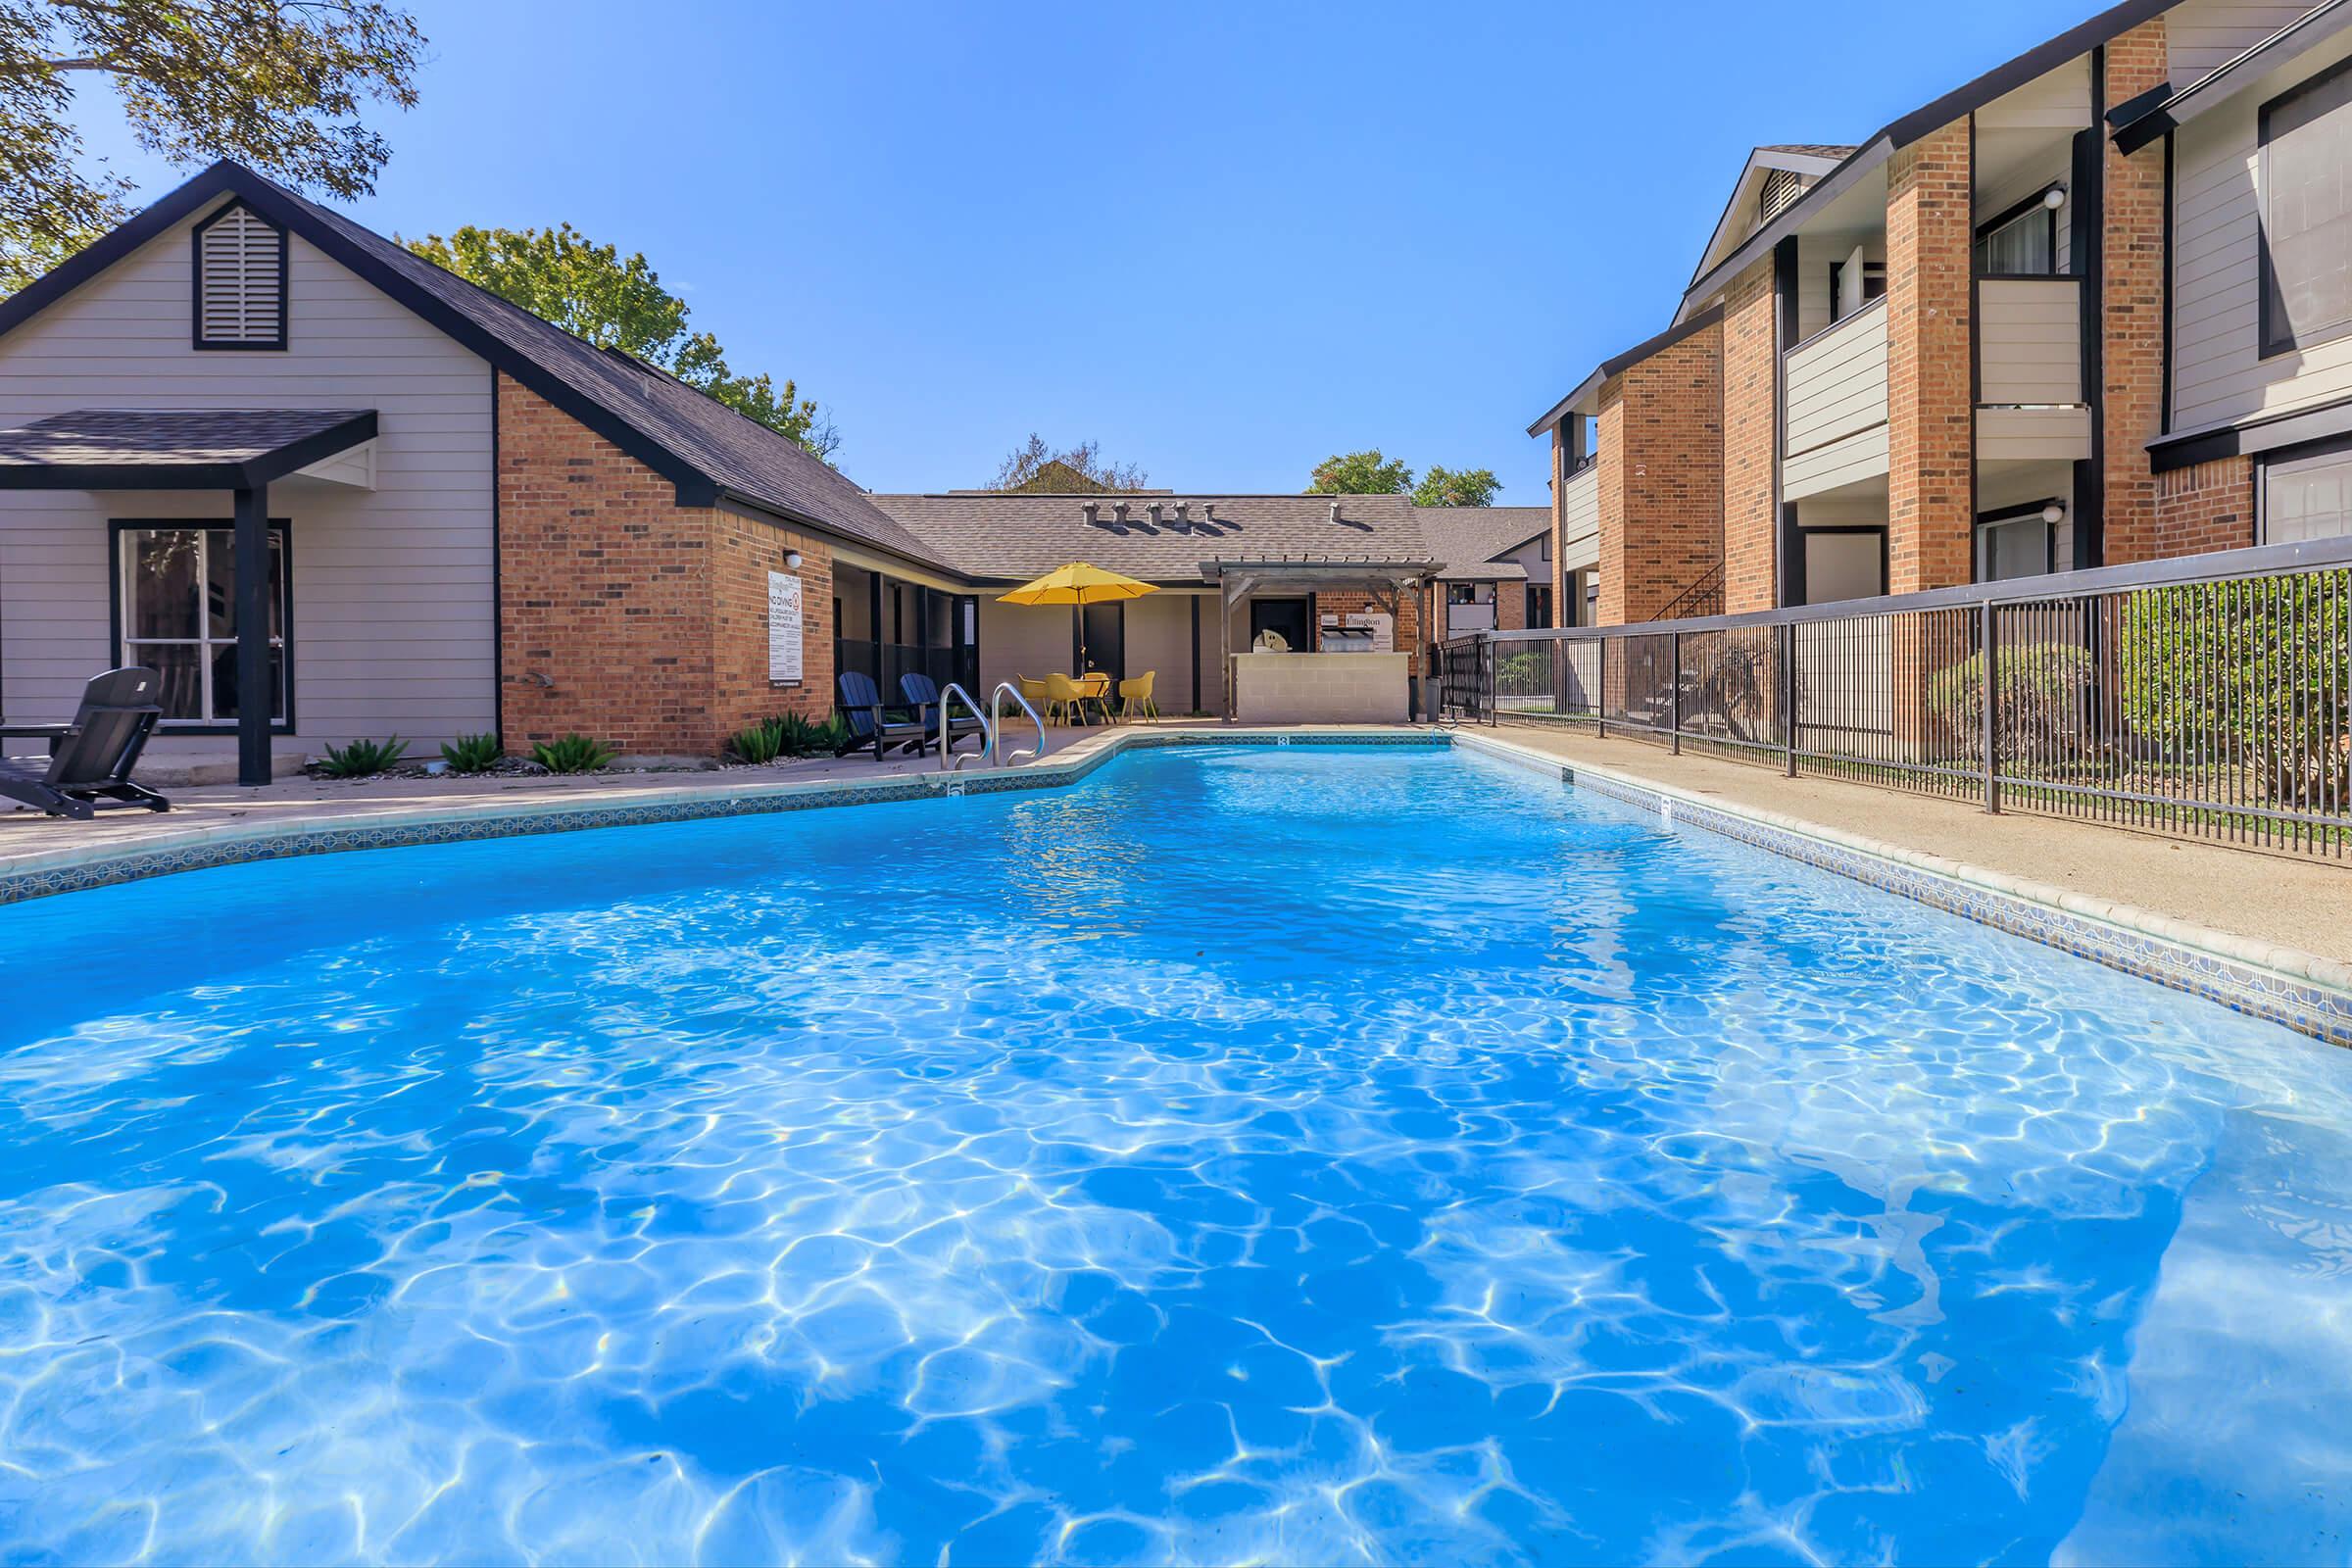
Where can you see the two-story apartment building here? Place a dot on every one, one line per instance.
(2095, 307)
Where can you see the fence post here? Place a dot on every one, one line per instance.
(1788, 696)
(1600, 688)
(1673, 690)
(1992, 728)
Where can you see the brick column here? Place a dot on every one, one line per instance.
(1661, 476)
(1931, 399)
(2131, 307)
(1748, 384)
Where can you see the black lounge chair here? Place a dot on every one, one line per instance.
(869, 726)
(921, 693)
(90, 758)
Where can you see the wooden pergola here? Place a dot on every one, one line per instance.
(1384, 582)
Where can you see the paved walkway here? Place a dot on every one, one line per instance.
(2298, 901)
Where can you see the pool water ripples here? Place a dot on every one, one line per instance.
(1250, 1154)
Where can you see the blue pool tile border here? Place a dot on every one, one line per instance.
(2322, 1011)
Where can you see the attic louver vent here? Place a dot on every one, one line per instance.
(1782, 186)
(240, 282)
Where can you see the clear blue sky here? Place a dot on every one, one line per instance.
(1224, 241)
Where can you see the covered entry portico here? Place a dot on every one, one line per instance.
(242, 451)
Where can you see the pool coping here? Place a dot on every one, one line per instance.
(2303, 991)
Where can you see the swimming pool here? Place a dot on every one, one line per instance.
(1298, 1154)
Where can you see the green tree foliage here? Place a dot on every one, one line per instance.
(617, 302)
(2240, 672)
(1035, 468)
(278, 84)
(1457, 487)
(1359, 473)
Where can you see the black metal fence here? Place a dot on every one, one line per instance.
(2208, 696)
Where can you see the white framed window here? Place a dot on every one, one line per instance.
(2017, 543)
(2306, 138)
(2020, 243)
(2307, 497)
(176, 611)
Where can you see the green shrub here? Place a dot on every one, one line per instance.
(2040, 705)
(362, 758)
(1520, 672)
(763, 742)
(573, 753)
(473, 754)
(2251, 675)
(802, 738)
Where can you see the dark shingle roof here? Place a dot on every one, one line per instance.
(1012, 538)
(154, 447)
(685, 436)
(1467, 539)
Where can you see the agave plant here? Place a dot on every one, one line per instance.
(472, 754)
(361, 757)
(573, 753)
(763, 742)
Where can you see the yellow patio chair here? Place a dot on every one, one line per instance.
(1035, 691)
(1135, 696)
(1067, 697)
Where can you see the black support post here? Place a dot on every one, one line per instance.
(254, 689)
(1989, 634)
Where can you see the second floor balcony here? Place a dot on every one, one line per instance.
(1835, 425)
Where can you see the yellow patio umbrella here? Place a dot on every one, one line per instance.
(1077, 584)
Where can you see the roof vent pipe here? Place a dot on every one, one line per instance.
(1154, 508)
(1118, 511)
(1094, 514)
(1335, 511)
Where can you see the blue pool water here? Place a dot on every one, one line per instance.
(1290, 1156)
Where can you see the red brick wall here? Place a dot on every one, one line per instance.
(2207, 506)
(2132, 309)
(1749, 365)
(1661, 477)
(1406, 634)
(1931, 413)
(745, 551)
(1510, 607)
(626, 618)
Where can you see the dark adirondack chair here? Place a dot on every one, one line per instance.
(91, 758)
(869, 727)
(921, 694)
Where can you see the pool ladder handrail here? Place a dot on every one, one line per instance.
(995, 725)
(948, 761)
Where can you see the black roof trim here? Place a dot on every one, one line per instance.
(1621, 362)
(2149, 115)
(227, 178)
(2038, 60)
(2167, 453)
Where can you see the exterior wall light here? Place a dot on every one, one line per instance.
(2054, 198)
(2053, 514)
(792, 561)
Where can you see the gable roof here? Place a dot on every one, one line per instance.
(1801, 159)
(1876, 149)
(704, 448)
(1011, 538)
(1466, 540)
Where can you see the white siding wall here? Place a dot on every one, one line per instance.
(2055, 166)
(2029, 346)
(2219, 374)
(394, 609)
(1580, 520)
(2200, 35)
(1837, 383)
